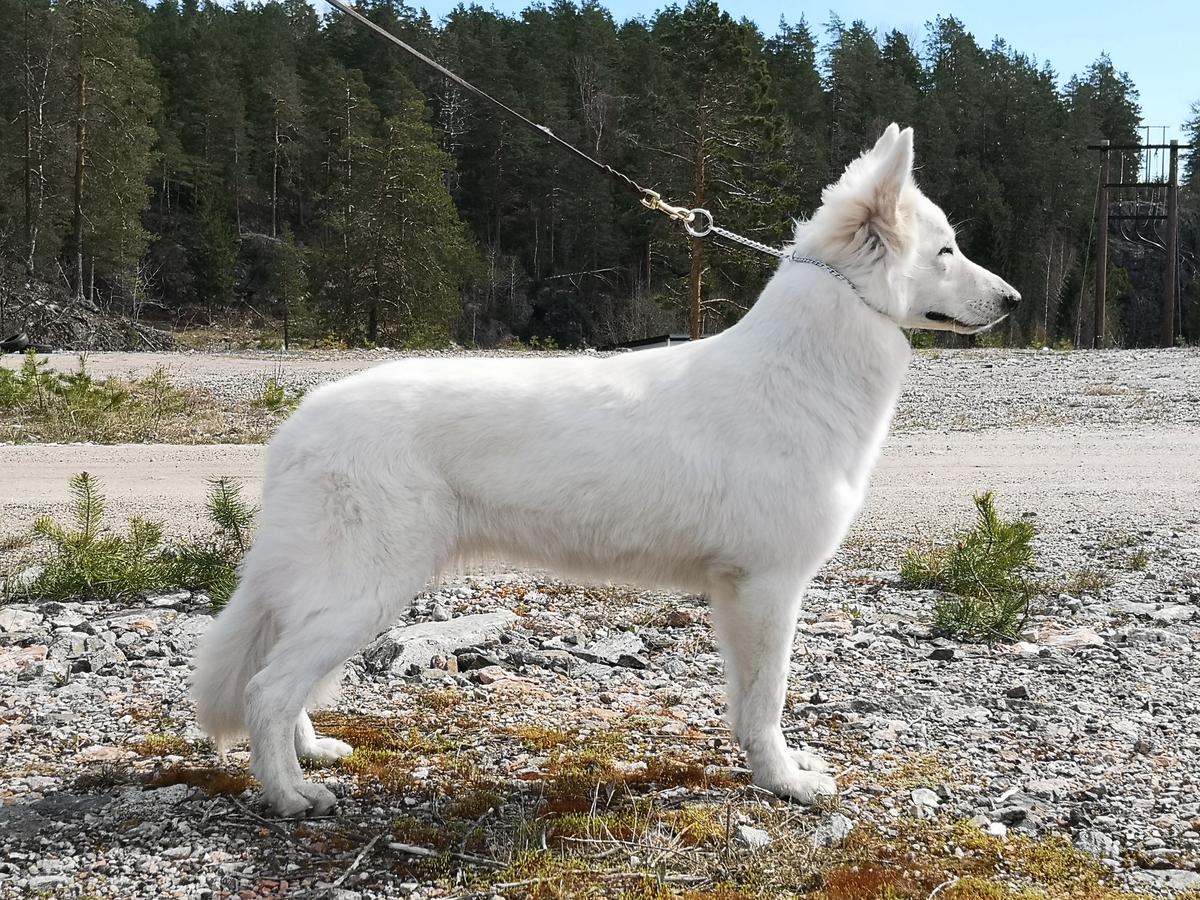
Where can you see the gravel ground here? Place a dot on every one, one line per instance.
(1069, 476)
(1087, 731)
(946, 390)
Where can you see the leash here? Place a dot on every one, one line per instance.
(697, 222)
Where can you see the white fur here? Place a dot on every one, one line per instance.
(731, 466)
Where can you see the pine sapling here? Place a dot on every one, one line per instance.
(985, 572)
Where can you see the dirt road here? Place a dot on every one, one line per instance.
(923, 484)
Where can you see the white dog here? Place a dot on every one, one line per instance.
(732, 467)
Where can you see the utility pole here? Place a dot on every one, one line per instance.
(1101, 251)
(1170, 300)
(1171, 297)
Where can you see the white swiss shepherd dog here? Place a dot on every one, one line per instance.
(731, 467)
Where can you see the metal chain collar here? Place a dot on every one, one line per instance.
(699, 224)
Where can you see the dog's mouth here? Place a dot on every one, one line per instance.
(959, 325)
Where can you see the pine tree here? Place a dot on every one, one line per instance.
(32, 187)
(800, 98)
(1104, 103)
(288, 283)
(212, 249)
(855, 74)
(113, 138)
(1190, 177)
(725, 141)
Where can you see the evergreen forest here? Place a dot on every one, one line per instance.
(188, 161)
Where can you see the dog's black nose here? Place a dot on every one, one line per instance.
(1011, 301)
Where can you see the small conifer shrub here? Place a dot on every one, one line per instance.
(984, 575)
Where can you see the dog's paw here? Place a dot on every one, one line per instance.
(802, 787)
(325, 749)
(810, 762)
(300, 799)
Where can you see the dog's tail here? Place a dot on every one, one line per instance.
(228, 657)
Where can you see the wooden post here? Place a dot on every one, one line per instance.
(1171, 295)
(1101, 250)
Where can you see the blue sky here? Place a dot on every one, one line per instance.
(1155, 42)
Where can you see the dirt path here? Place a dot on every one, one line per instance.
(923, 484)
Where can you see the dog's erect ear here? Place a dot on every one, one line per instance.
(892, 170)
(885, 141)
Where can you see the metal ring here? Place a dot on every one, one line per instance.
(703, 230)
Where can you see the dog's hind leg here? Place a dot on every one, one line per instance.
(755, 624)
(310, 745)
(309, 648)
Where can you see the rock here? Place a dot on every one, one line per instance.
(24, 580)
(1176, 612)
(97, 753)
(46, 882)
(88, 653)
(1052, 634)
(944, 654)
(1131, 608)
(997, 829)
(926, 802)
(16, 619)
(833, 628)
(624, 648)
(142, 625)
(402, 647)
(566, 642)
(683, 617)
(1176, 880)
(170, 601)
(470, 660)
(1049, 787)
(832, 833)
(440, 613)
(1097, 843)
(754, 838)
(489, 675)
(22, 659)
(889, 733)
(1012, 814)
(1019, 692)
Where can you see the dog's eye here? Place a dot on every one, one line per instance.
(945, 250)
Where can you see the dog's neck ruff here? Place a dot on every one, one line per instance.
(821, 264)
(836, 273)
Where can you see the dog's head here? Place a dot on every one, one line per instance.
(898, 247)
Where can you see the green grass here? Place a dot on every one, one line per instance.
(39, 404)
(275, 398)
(1087, 581)
(984, 573)
(82, 559)
(1137, 560)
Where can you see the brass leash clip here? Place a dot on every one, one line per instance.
(654, 200)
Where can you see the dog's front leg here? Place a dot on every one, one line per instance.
(755, 625)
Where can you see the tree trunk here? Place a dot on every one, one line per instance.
(237, 189)
(373, 310)
(697, 246)
(275, 174)
(30, 233)
(347, 213)
(80, 155)
(699, 192)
